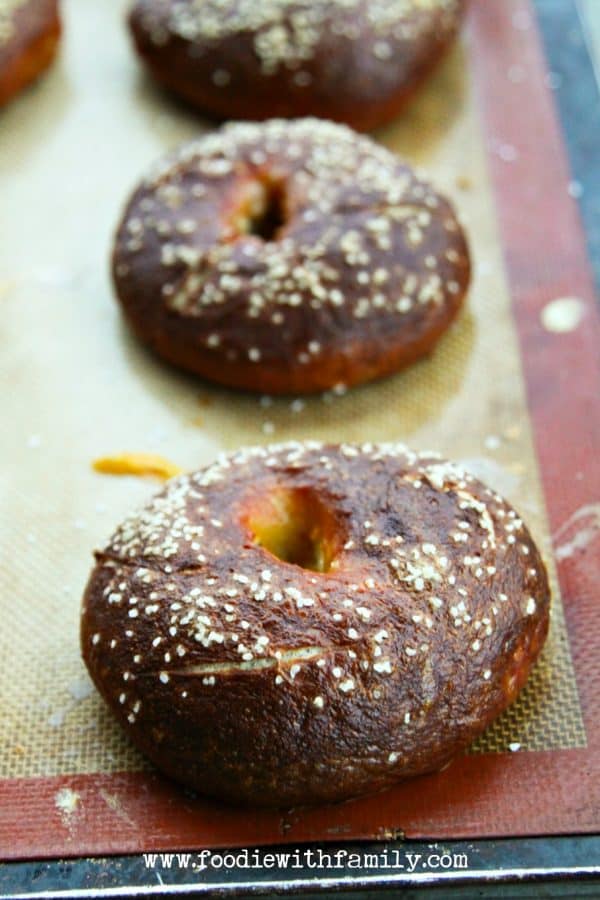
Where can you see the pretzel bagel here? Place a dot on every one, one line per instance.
(29, 36)
(353, 61)
(306, 623)
(289, 257)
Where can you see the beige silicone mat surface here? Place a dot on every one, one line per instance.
(75, 385)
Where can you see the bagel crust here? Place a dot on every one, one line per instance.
(29, 36)
(289, 257)
(305, 623)
(353, 61)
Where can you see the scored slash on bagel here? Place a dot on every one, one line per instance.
(289, 257)
(353, 61)
(29, 36)
(305, 623)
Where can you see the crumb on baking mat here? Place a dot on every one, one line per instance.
(67, 802)
(141, 464)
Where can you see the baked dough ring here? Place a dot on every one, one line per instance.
(353, 61)
(289, 257)
(29, 35)
(305, 623)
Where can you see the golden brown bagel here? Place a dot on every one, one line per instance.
(288, 257)
(29, 35)
(305, 623)
(353, 61)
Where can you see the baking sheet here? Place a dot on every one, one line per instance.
(76, 386)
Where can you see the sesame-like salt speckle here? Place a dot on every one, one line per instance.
(8, 10)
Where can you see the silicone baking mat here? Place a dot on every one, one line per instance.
(512, 391)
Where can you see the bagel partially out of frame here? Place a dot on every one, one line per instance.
(353, 61)
(306, 623)
(289, 257)
(29, 36)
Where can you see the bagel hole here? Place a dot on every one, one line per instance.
(263, 212)
(295, 526)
